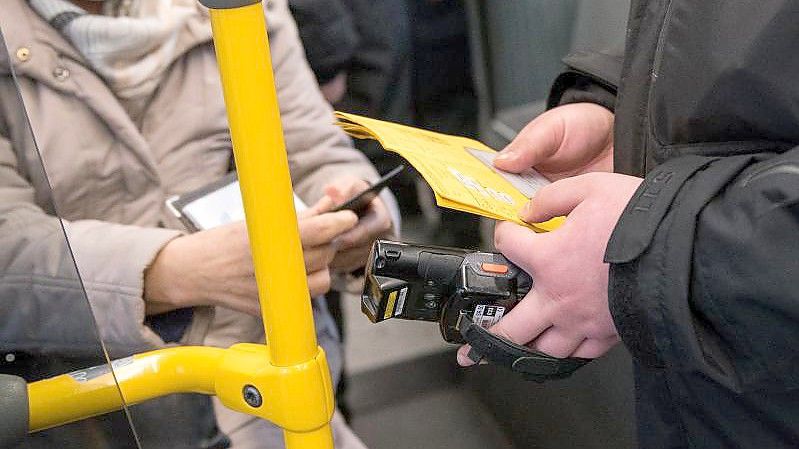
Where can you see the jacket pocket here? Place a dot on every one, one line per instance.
(725, 72)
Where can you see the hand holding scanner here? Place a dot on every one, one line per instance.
(465, 291)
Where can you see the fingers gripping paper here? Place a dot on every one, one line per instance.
(458, 169)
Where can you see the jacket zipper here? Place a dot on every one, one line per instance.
(656, 61)
(658, 58)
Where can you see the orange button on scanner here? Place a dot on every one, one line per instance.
(494, 268)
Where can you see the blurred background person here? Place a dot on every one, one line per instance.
(401, 61)
(443, 96)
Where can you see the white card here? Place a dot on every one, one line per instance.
(527, 182)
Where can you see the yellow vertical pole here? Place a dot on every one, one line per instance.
(242, 49)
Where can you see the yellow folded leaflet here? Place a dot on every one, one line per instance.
(459, 170)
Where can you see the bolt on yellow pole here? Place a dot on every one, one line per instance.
(242, 49)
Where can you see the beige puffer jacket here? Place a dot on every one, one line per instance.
(110, 177)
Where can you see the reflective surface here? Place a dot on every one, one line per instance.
(47, 327)
(81, 218)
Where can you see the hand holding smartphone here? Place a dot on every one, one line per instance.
(359, 203)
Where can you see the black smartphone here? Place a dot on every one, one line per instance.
(360, 202)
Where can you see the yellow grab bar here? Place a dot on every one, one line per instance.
(242, 49)
(93, 391)
(237, 375)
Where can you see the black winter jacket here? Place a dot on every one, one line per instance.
(328, 34)
(704, 285)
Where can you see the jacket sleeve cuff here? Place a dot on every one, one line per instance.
(111, 259)
(576, 88)
(641, 218)
(651, 253)
(591, 77)
(628, 291)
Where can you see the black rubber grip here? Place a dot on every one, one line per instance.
(533, 365)
(13, 410)
(227, 4)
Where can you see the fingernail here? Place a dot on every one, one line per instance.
(505, 156)
(526, 211)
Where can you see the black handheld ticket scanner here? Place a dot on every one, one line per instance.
(440, 284)
(465, 291)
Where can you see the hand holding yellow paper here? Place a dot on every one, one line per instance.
(458, 169)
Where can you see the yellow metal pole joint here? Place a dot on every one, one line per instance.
(287, 396)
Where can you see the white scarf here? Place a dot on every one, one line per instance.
(133, 43)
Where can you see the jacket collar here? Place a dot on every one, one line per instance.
(23, 29)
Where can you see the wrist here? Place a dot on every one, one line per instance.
(165, 280)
